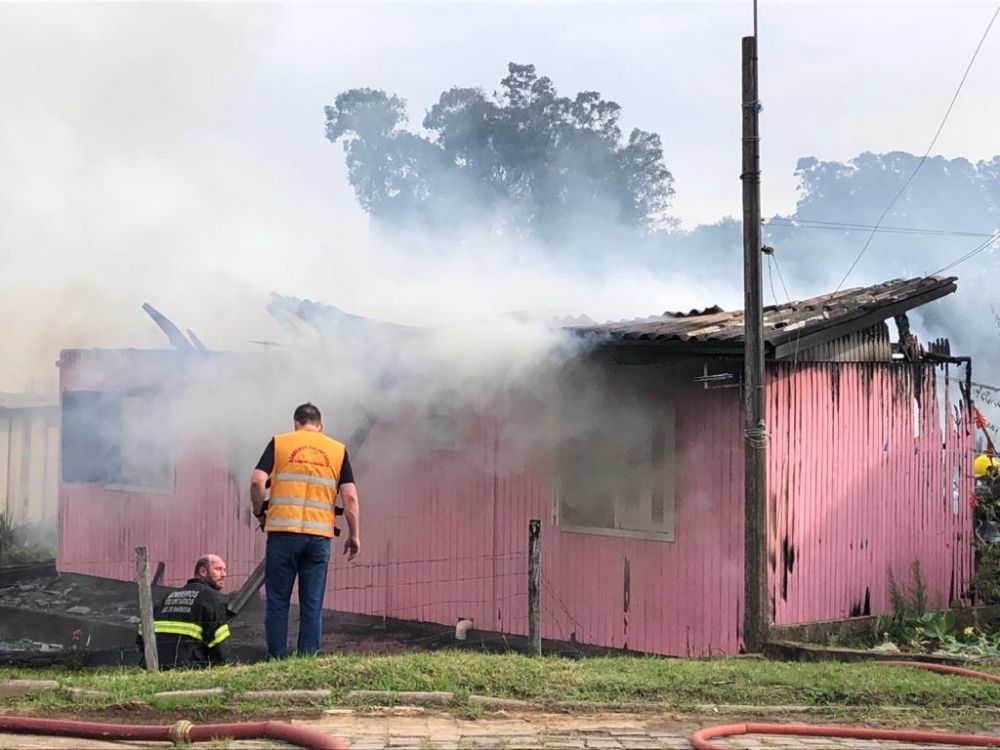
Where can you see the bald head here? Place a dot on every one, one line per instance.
(211, 569)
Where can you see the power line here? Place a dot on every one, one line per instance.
(770, 276)
(923, 159)
(969, 255)
(844, 226)
(781, 278)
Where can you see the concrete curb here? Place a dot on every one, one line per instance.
(424, 698)
(419, 700)
(26, 688)
(794, 651)
(82, 695)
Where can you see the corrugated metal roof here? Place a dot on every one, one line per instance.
(803, 323)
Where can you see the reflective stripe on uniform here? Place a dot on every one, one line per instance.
(221, 633)
(176, 627)
(295, 523)
(288, 476)
(298, 502)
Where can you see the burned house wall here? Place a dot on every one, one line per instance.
(869, 469)
(127, 480)
(446, 499)
(446, 535)
(858, 485)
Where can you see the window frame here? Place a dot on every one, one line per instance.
(112, 418)
(651, 383)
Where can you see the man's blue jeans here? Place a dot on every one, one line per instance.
(289, 555)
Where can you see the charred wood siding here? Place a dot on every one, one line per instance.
(100, 527)
(869, 470)
(853, 490)
(869, 345)
(446, 538)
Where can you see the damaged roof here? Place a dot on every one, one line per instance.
(787, 328)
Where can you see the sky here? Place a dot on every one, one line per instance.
(836, 78)
(174, 153)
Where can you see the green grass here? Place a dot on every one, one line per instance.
(616, 681)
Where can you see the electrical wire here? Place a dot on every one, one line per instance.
(923, 159)
(788, 298)
(781, 278)
(845, 226)
(770, 278)
(969, 255)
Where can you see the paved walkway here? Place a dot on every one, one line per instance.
(539, 731)
(416, 729)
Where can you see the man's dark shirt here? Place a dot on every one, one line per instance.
(266, 464)
(201, 609)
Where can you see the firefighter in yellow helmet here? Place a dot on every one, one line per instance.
(986, 465)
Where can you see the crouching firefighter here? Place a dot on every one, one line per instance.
(191, 625)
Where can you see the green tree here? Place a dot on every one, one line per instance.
(524, 161)
(949, 194)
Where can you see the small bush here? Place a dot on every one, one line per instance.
(913, 628)
(20, 544)
(986, 581)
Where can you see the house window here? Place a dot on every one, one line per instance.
(616, 459)
(119, 439)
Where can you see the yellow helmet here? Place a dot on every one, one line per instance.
(984, 465)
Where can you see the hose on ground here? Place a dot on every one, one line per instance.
(701, 740)
(943, 669)
(182, 732)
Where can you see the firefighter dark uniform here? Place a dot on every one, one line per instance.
(191, 628)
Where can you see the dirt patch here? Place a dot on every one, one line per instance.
(77, 620)
(81, 620)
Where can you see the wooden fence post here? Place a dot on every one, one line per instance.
(146, 609)
(534, 587)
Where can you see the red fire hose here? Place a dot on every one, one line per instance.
(182, 732)
(943, 669)
(700, 740)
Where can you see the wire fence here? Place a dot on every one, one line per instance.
(428, 594)
(430, 581)
(493, 589)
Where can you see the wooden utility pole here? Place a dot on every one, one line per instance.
(755, 432)
(146, 609)
(534, 587)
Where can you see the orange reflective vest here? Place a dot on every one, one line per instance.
(304, 482)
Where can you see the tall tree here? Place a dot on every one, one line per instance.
(946, 194)
(524, 161)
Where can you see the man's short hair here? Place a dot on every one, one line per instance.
(308, 414)
(203, 562)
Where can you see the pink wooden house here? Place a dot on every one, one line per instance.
(869, 468)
